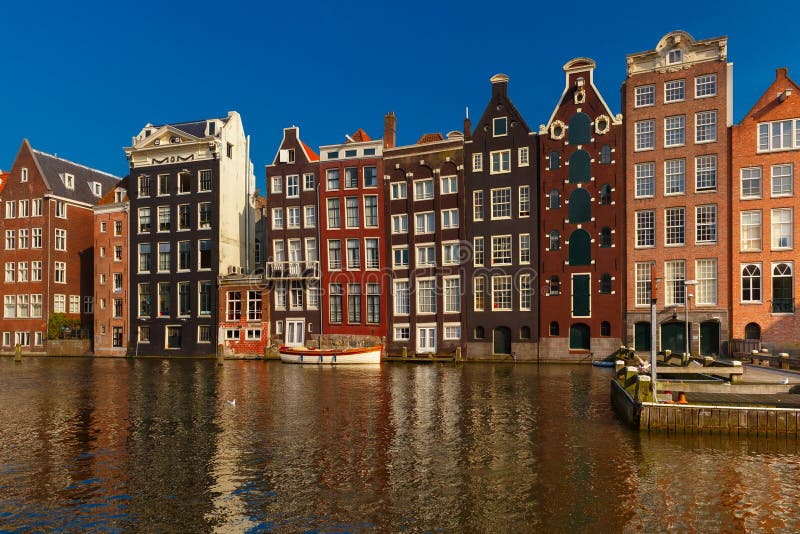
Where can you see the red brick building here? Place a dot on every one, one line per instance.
(47, 230)
(582, 262)
(353, 234)
(765, 154)
(111, 264)
(677, 101)
(243, 315)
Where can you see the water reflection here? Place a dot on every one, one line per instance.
(152, 445)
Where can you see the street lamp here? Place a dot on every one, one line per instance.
(687, 296)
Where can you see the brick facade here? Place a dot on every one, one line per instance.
(759, 258)
(243, 315)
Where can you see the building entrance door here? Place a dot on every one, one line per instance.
(295, 332)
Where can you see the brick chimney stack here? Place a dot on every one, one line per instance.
(389, 130)
(467, 126)
(499, 84)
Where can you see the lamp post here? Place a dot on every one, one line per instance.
(687, 296)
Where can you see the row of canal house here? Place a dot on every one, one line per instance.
(498, 240)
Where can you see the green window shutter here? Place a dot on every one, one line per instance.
(580, 167)
(580, 129)
(580, 206)
(580, 248)
(581, 306)
(579, 336)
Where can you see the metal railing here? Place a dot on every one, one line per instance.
(783, 305)
(292, 269)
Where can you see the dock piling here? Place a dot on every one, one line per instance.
(18, 353)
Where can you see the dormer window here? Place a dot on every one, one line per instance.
(675, 56)
(212, 128)
(97, 189)
(24, 175)
(119, 194)
(500, 126)
(69, 181)
(147, 133)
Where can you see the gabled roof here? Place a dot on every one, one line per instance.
(54, 170)
(312, 156)
(770, 100)
(195, 128)
(430, 138)
(359, 137)
(108, 198)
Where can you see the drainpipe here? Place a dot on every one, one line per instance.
(248, 222)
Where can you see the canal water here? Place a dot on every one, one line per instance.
(158, 445)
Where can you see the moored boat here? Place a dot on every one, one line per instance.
(330, 356)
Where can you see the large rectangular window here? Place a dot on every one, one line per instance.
(424, 223)
(705, 126)
(645, 134)
(371, 253)
(675, 91)
(353, 254)
(525, 292)
(782, 237)
(351, 212)
(423, 189)
(332, 176)
(373, 303)
(751, 182)
(674, 287)
(334, 254)
(204, 290)
(401, 297)
(426, 256)
(645, 179)
(163, 219)
(779, 135)
(426, 296)
(646, 228)
(645, 95)
(501, 250)
(334, 213)
(353, 303)
(675, 226)
(524, 201)
(335, 303)
(477, 205)
(705, 169)
(675, 131)
(501, 161)
(705, 85)
(501, 203)
(706, 224)
(501, 293)
(145, 224)
(751, 231)
(706, 274)
(479, 293)
(351, 177)
(452, 295)
(782, 181)
(234, 306)
(184, 299)
(145, 300)
(204, 256)
(675, 176)
(371, 211)
(254, 306)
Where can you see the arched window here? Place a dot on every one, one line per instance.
(782, 290)
(579, 336)
(555, 240)
(580, 206)
(553, 328)
(605, 155)
(580, 249)
(751, 283)
(605, 328)
(752, 331)
(605, 284)
(555, 160)
(605, 194)
(554, 201)
(580, 129)
(555, 286)
(479, 332)
(605, 237)
(580, 167)
(525, 332)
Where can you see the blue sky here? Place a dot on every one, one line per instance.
(81, 78)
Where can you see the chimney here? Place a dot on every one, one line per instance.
(467, 126)
(499, 85)
(782, 73)
(389, 130)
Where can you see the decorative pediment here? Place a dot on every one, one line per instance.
(163, 136)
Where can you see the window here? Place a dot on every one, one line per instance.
(645, 228)
(334, 213)
(451, 253)
(308, 182)
(333, 179)
(605, 237)
(478, 251)
(204, 289)
(144, 257)
(117, 228)
(524, 201)
(10, 306)
(782, 228)
(36, 271)
(22, 271)
(423, 189)
(554, 328)
(310, 216)
(751, 182)
(452, 295)
(782, 288)
(605, 195)
(277, 184)
(782, 179)
(10, 239)
(675, 131)
(10, 271)
(373, 304)
(351, 177)
(164, 299)
(674, 287)
(751, 231)
(145, 185)
(452, 331)
(254, 305)
(705, 85)
(674, 56)
(402, 333)
(675, 91)
(234, 306)
(426, 256)
(645, 134)
(145, 300)
(706, 273)
(371, 211)
(351, 212)
(501, 250)
(501, 161)
(36, 306)
(24, 208)
(525, 292)
(401, 297)
(399, 224)
(477, 205)
(60, 303)
(523, 156)
(184, 217)
(554, 240)
(779, 135)
(23, 239)
(553, 199)
(61, 209)
(399, 190)
(11, 209)
(370, 176)
(426, 338)
(103, 226)
(292, 213)
(424, 223)
(499, 126)
(163, 184)
(335, 303)
(37, 238)
(448, 185)
(163, 219)
(426, 296)
(117, 282)
(501, 293)
(118, 305)
(293, 186)
(524, 248)
(23, 175)
(400, 257)
(706, 224)
(334, 254)
(477, 161)
(205, 181)
(705, 172)
(60, 272)
(204, 215)
(675, 226)
(163, 257)
(144, 220)
(450, 218)
(675, 176)
(645, 95)
(116, 336)
(353, 254)
(117, 252)
(501, 203)
(605, 155)
(751, 282)
(37, 207)
(371, 254)
(479, 294)
(204, 256)
(705, 126)
(605, 284)
(184, 183)
(555, 161)
(173, 340)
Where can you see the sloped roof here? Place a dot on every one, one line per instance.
(108, 198)
(312, 156)
(195, 128)
(360, 136)
(430, 138)
(3, 180)
(54, 168)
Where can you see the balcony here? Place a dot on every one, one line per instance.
(284, 270)
(783, 305)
